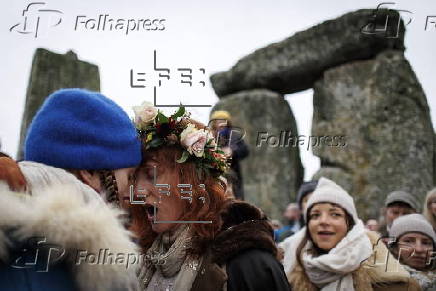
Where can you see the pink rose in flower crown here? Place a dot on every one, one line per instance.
(144, 114)
(194, 140)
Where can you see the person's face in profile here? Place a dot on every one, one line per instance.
(160, 206)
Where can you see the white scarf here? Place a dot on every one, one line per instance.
(332, 271)
(289, 246)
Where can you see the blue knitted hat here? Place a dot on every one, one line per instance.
(80, 129)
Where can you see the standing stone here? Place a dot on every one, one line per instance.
(271, 173)
(434, 160)
(381, 109)
(50, 72)
(295, 63)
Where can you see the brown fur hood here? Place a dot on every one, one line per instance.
(244, 227)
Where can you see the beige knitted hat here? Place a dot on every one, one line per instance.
(330, 192)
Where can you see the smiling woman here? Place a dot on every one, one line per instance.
(328, 225)
(334, 252)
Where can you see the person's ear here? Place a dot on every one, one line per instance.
(91, 178)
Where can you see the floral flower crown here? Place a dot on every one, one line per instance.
(199, 146)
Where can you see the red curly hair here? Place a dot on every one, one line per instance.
(209, 210)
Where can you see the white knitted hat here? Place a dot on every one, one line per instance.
(330, 192)
(412, 223)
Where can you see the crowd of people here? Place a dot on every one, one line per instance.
(169, 188)
(334, 248)
(397, 203)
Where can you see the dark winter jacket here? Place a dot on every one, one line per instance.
(243, 255)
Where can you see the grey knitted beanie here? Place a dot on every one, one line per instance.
(402, 196)
(412, 223)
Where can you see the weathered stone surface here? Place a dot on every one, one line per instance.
(382, 110)
(295, 63)
(271, 174)
(50, 72)
(434, 160)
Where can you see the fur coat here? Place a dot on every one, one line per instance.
(76, 222)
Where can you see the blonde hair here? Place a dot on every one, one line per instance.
(431, 196)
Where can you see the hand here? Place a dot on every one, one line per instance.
(11, 174)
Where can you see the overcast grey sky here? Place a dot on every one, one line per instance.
(198, 34)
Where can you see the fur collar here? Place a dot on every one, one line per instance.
(65, 218)
(244, 227)
(377, 272)
(382, 267)
(300, 282)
